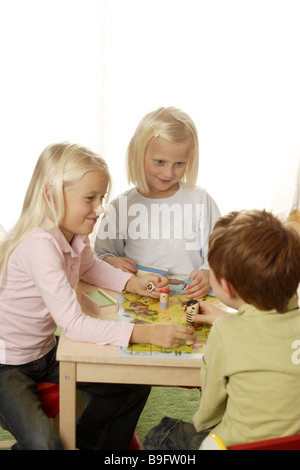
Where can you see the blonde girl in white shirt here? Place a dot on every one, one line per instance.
(165, 220)
(41, 260)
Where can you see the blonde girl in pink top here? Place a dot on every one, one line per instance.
(41, 260)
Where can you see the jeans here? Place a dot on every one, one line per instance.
(173, 434)
(108, 422)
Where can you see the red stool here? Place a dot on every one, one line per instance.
(135, 443)
(49, 397)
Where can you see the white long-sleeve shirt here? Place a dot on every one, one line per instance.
(39, 295)
(171, 232)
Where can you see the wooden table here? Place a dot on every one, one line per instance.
(87, 362)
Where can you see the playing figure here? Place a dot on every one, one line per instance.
(150, 287)
(164, 298)
(192, 308)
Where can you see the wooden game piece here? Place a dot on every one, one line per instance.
(150, 287)
(164, 299)
(189, 343)
(187, 281)
(192, 308)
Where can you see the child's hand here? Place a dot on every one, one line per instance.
(138, 285)
(199, 286)
(165, 335)
(127, 265)
(209, 313)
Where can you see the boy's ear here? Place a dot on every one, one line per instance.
(227, 288)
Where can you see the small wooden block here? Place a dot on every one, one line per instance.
(99, 302)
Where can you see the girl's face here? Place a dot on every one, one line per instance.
(82, 201)
(164, 164)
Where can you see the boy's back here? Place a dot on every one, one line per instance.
(252, 358)
(250, 376)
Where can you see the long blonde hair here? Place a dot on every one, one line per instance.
(60, 165)
(168, 123)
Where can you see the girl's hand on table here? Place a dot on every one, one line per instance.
(138, 285)
(199, 286)
(166, 335)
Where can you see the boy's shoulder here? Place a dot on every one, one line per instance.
(250, 319)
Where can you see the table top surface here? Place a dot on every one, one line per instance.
(84, 352)
(77, 351)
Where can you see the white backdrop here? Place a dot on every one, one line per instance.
(87, 71)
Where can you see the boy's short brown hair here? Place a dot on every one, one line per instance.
(259, 256)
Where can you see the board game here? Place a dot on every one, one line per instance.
(134, 308)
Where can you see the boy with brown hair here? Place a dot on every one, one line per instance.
(250, 373)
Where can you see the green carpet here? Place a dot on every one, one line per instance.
(180, 403)
(174, 402)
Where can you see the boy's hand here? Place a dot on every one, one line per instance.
(138, 285)
(199, 286)
(166, 335)
(127, 265)
(209, 313)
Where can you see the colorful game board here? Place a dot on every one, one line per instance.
(134, 308)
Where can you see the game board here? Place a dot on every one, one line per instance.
(134, 308)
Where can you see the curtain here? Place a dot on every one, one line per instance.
(286, 197)
(51, 86)
(232, 65)
(88, 70)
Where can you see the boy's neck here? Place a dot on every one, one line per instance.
(237, 303)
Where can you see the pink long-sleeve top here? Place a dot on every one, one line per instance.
(39, 295)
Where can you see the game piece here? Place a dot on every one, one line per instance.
(187, 281)
(150, 287)
(192, 308)
(164, 298)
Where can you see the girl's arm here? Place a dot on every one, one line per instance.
(127, 265)
(102, 274)
(200, 286)
(109, 243)
(97, 272)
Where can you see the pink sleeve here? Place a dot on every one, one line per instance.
(46, 268)
(95, 271)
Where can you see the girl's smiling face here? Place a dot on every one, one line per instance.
(165, 163)
(82, 201)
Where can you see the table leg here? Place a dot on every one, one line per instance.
(67, 405)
